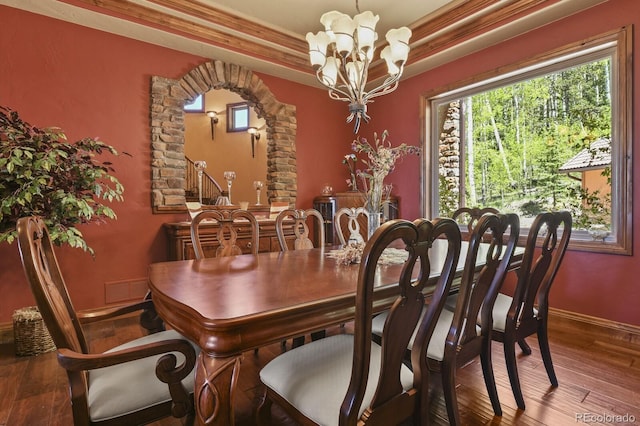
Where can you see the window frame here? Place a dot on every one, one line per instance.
(620, 43)
(232, 120)
(196, 105)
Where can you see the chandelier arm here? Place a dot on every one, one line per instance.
(389, 85)
(362, 95)
(340, 96)
(332, 90)
(344, 77)
(382, 90)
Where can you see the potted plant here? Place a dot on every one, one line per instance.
(43, 174)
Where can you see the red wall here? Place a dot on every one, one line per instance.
(92, 83)
(592, 284)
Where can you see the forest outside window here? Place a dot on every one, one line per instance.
(549, 134)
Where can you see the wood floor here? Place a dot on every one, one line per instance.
(599, 379)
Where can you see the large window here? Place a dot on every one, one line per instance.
(549, 134)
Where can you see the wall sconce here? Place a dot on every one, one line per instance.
(214, 120)
(253, 131)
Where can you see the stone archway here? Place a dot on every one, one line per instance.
(168, 163)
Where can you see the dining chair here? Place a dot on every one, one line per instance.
(457, 338)
(469, 215)
(138, 382)
(346, 379)
(302, 241)
(229, 222)
(301, 220)
(526, 312)
(349, 216)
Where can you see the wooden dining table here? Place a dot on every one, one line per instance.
(230, 305)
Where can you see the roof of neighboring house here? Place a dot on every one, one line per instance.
(597, 156)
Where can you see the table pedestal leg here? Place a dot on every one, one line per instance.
(215, 383)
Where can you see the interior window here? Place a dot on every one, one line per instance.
(238, 117)
(197, 105)
(551, 134)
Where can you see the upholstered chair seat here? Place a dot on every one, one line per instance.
(143, 389)
(435, 350)
(315, 377)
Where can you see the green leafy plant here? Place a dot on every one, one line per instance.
(594, 209)
(42, 174)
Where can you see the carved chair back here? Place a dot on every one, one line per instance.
(470, 215)
(349, 216)
(301, 219)
(479, 289)
(48, 286)
(227, 234)
(537, 273)
(391, 402)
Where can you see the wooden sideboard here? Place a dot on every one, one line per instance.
(179, 246)
(328, 205)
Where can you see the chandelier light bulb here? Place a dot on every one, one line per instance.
(342, 53)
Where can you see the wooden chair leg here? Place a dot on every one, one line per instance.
(263, 411)
(489, 378)
(543, 341)
(526, 349)
(449, 390)
(512, 369)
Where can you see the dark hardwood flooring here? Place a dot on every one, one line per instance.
(599, 377)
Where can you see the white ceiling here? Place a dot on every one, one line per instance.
(301, 16)
(455, 27)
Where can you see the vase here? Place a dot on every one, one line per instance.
(373, 222)
(373, 204)
(353, 184)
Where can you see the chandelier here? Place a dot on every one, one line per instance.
(342, 53)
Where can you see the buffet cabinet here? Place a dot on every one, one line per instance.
(328, 205)
(179, 246)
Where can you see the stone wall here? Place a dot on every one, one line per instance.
(449, 158)
(168, 163)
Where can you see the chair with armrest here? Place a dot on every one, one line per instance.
(302, 241)
(470, 215)
(457, 339)
(526, 313)
(349, 216)
(228, 223)
(348, 378)
(138, 382)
